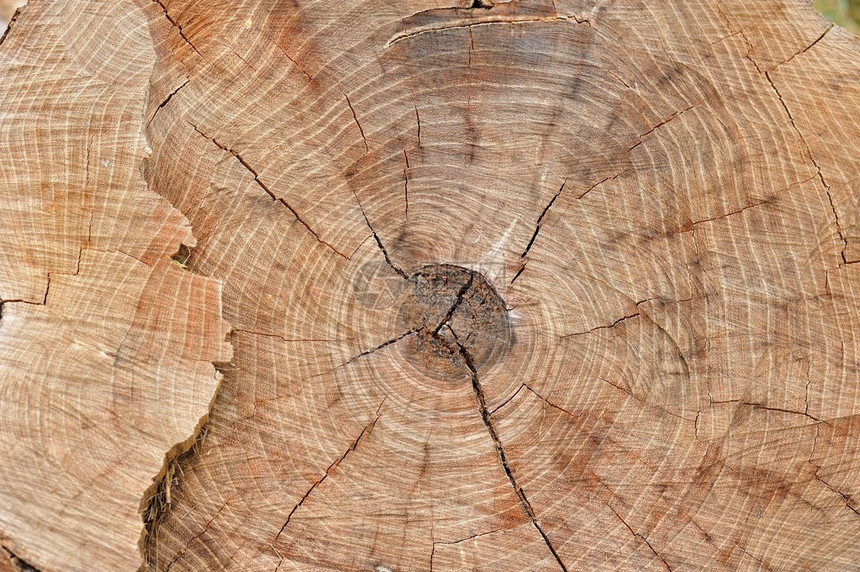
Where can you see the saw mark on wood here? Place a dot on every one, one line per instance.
(267, 190)
(365, 431)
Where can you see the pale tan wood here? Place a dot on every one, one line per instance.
(107, 345)
(538, 285)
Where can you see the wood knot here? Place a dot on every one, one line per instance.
(461, 322)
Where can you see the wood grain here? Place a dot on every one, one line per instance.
(531, 285)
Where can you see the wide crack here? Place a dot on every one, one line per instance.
(460, 324)
(486, 417)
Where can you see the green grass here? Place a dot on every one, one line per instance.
(846, 13)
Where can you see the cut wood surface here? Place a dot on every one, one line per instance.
(408, 286)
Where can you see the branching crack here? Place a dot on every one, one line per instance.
(365, 431)
(500, 451)
(546, 209)
(641, 538)
(268, 191)
(176, 25)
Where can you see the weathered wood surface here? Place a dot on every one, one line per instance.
(562, 285)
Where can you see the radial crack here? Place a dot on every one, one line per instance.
(500, 451)
(460, 541)
(383, 345)
(537, 230)
(780, 410)
(268, 191)
(167, 100)
(807, 48)
(740, 210)
(594, 329)
(406, 182)
(485, 21)
(661, 124)
(355, 117)
(195, 537)
(176, 25)
(814, 162)
(845, 497)
(365, 431)
(454, 306)
(378, 241)
(642, 538)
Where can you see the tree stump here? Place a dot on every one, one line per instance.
(361, 285)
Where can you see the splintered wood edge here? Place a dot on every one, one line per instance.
(116, 308)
